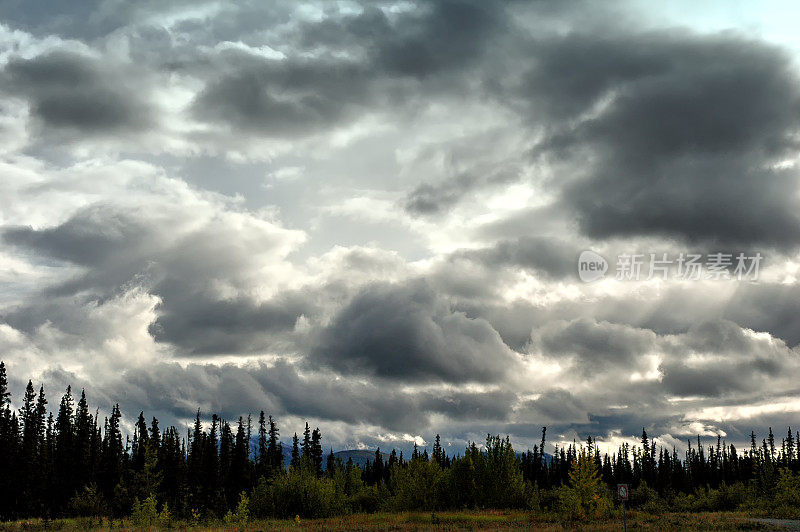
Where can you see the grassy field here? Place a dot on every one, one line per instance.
(486, 520)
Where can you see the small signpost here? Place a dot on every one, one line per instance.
(622, 495)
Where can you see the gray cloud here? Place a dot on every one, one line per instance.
(429, 317)
(408, 333)
(72, 91)
(596, 344)
(691, 130)
(548, 256)
(117, 247)
(279, 99)
(371, 62)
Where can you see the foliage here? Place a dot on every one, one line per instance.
(146, 514)
(417, 486)
(241, 515)
(298, 492)
(584, 496)
(88, 502)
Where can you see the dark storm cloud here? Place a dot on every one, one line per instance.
(407, 332)
(88, 238)
(387, 59)
(596, 344)
(117, 247)
(469, 406)
(690, 132)
(720, 380)
(281, 390)
(427, 199)
(548, 256)
(556, 406)
(84, 19)
(630, 421)
(73, 91)
(209, 326)
(279, 98)
(429, 39)
(718, 358)
(446, 35)
(772, 307)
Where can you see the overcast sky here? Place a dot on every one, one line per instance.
(370, 216)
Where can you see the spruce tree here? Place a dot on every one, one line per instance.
(141, 443)
(274, 449)
(7, 448)
(64, 451)
(306, 446)
(330, 465)
(295, 452)
(316, 451)
(262, 455)
(241, 464)
(4, 393)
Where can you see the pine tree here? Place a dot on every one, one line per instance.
(30, 465)
(316, 451)
(438, 454)
(227, 466)
(306, 446)
(295, 452)
(330, 465)
(155, 435)
(84, 435)
(262, 468)
(585, 495)
(64, 451)
(4, 393)
(30, 430)
(241, 463)
(111, 462)
(8, 443)
(274, 449)
(141, 443)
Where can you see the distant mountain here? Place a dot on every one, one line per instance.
(360, 457)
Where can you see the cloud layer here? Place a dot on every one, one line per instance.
(370, 216)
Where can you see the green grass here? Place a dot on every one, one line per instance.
(467, 520)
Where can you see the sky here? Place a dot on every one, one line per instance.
(370, 215)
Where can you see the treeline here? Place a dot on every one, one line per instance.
(74, 463)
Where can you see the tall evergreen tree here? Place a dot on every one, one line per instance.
(8, 443)
(274, 449)
(306, 446)
(295, 452)
(4, 393)
(64, 452)
(262, 465)
(316, 451)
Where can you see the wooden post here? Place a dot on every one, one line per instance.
(623, 494)
(624, 521)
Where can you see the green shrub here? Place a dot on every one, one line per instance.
(417, 486)
(585, 496)
(241, 516)
(145, 513)
(89, 502)
(297, 492)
